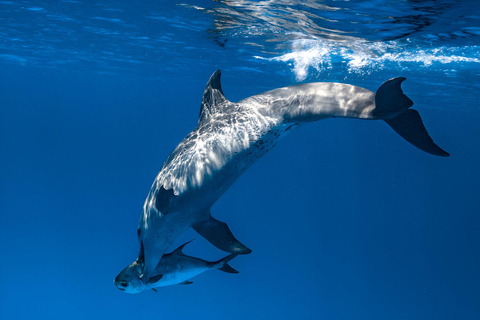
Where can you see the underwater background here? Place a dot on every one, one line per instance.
(346, 220)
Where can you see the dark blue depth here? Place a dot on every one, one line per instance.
(346, 220)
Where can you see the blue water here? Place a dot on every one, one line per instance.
(346, 220)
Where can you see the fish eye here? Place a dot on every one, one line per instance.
(124, 283)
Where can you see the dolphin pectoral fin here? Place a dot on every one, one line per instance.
(218, 234)
(409, 126)
(186, 282)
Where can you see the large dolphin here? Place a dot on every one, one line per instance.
(230, 137)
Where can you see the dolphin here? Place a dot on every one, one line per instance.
(231, 136)
(173, 268)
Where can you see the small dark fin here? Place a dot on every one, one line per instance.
(179, 249)
(218, 234)
(141, 254)
(155, 279)
(186, 282)
(390, 99)
(213, 97)
(224, 264)
(164, 200)
(154, 289)
(409, 126)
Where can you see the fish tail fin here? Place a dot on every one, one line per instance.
(392, 105)
(223, 265)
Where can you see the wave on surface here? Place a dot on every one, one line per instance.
(359, 36)
(365, 57)
(356, 36)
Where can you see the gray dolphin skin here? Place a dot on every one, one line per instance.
(230, 137)
(173, 268)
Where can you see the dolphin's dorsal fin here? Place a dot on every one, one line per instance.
(179, 249)
(213, 98)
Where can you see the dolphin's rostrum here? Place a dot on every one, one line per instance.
(231, 136)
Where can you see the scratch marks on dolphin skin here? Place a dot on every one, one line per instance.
(212, 145)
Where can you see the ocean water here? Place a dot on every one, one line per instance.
(346, 220)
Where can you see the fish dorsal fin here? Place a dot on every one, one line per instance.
(213, 98)
(179, 249)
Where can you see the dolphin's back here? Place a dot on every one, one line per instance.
(229, 140)
(231, 136)
(313, 101)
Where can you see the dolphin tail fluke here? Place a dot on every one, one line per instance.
(390, 99)
(392, 105)
(223, 265)
(218, 234)
(409, 126)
